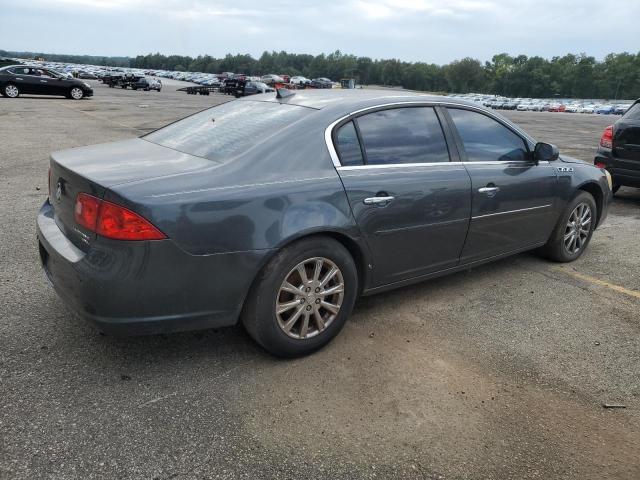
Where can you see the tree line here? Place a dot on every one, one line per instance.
(617, 76)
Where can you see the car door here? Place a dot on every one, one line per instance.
(626, 143)
(514, 198)
(410, 201)
(26, 80)
(49, 84)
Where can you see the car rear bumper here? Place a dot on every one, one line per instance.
(136, 288)
(624, 172)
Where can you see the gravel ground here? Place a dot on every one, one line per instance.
(499, 372)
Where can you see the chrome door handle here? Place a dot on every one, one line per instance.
(489, 190)
(43, 81)
(377, 200)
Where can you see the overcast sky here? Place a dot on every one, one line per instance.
(413, 30)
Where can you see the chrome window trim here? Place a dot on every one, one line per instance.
(328, 132)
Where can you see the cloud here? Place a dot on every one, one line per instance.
(417, 30)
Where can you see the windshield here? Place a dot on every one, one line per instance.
(228, 130)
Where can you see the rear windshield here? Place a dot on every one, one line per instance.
(633, 113)
(228, 130)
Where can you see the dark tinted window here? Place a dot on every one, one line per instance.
(485, 139)
(403, 135)
(348, 145)
(21, 70)
(227, 130)
(633, 113)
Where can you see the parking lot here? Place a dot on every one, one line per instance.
(500, 372)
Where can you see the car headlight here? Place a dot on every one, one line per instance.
(609, 180)
(86, 84)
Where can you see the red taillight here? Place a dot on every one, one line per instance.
(113, 221)
(86, 211)
(606, 140)
(600, 165)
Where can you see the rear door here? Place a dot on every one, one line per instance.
(410, 201)
(25, 79)
(513, 198)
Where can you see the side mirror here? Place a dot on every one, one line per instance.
(545, 152)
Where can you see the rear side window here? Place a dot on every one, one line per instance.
(403, 135)
(227, 130)
(348, 145)
(485, 139)
(633, 113)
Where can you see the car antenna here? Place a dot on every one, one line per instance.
(284, 93)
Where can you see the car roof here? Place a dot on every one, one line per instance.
(348, 99)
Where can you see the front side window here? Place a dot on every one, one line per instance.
(485, 139)
(348, 145)
(403, 135)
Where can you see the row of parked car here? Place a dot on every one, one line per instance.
(217, 79)
(547, 105)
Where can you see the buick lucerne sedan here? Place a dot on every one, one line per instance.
(278, 211)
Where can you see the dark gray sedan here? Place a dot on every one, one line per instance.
(280, 212)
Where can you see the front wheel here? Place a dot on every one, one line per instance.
(302, 298)
(76, 93)
(11, 91)
(573, 232)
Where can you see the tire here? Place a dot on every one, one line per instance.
(556, 248)
(11, 91)
(269, 328)
(615, 189)
(76, 93)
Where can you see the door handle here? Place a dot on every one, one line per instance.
(377, 200)
(43, 81)
(489, 190)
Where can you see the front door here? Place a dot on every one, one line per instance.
(411, 203)
(513, 198)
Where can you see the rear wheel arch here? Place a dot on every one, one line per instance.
(356, 251)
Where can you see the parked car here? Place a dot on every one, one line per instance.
(86, 75)
(321, 82)
(299, 80)
(619, 149)
(605, 110)
(147, 84)
(621, 109)
(253, 88)
(272, 79)
(18, 79)
(269, 212)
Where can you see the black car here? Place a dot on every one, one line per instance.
(19, 79)
(321, 83)
(253, 88)
(619, 149)
(281, 210)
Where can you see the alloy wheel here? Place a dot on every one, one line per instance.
(578, 228)
(11, 91)
(77, 93)
(309, 298)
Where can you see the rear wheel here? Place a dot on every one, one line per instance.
(573, 232)
(302, 298)
(11, 91)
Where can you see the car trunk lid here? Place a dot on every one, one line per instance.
(94, 169)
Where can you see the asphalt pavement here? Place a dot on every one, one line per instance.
(500, 372)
